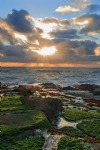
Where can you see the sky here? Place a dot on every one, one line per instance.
(51, 33)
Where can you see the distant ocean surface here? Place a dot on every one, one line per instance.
(61, 76)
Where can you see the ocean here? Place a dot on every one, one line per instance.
(60, 76)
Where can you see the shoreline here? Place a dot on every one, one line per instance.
(40, 83)
(31, 110)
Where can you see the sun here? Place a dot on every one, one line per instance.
(47, 51)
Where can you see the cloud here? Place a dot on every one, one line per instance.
(79, 3)
(90, 22)
(66, 9)
(18, 20)
(55, 21)
(93, 8)
(75, 6)
(67, 52)
(61, 34)
(6, 32)
(76, 51)
(19, 43)
(1, 48)
(19, 32)
(17, 53)
(97, 51)
(85, 47)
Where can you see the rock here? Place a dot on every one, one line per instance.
(93, 102)
(51, 86)
(3, 86)
(25, 90)
(68, 88)
(88, 87)
(50, 106)
(96, 92)
(38, 132)
(0, 84)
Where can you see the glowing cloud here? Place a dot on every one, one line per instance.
(21, 37)
(97, 51)
(1, 55)
(66, 9)
(45, 27)
(46, 51)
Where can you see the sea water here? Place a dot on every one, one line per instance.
(61, 76)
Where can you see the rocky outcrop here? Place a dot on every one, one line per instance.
(69, 88)
(3, 86)
(93, 102)
(51, 85)
(88, 87)
(50, 106)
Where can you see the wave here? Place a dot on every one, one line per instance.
(61, 76)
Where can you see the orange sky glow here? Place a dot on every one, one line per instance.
(10, 64)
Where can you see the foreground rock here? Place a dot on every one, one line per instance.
(51, 107)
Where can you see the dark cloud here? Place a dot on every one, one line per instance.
(12, 51)
(18, 20)
(17, 54)
(69, 34)
(88, 46)
(1, 44)
(91, 23)
(93, 8)
(75, 51)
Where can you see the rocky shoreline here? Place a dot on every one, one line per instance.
(53, 101)
(43, 87)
